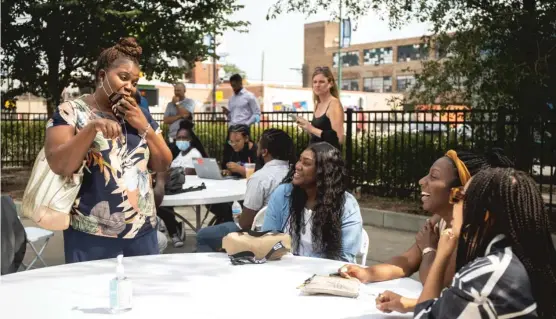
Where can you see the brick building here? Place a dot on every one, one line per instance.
(203, 73)
(371, 67)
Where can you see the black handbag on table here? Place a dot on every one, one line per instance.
(175, 181)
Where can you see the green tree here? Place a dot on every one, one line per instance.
(495, 54)
(231, 69)
(50, 45)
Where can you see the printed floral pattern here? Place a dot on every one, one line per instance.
(116, 198)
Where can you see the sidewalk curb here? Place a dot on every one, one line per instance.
(392, 220)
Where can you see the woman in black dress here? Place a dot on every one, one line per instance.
(328, 120)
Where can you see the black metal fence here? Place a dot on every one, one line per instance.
(386, 152)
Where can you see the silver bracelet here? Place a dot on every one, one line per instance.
(144, 135)
(427, 250)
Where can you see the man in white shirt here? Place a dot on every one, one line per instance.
(276, 151)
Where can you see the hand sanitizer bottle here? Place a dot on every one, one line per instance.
(121, 290)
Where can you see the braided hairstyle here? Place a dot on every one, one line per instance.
(478, 162)
(279, 144)
(326, 230)
(516, 209)
(125, 49)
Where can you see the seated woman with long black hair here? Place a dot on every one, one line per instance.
(238, 150)
(506, 261)
(314, 207)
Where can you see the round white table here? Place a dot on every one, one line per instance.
(216, 192)
(190, 286)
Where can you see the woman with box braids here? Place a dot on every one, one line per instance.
(508, 202)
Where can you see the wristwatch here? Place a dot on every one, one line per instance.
(427, 250)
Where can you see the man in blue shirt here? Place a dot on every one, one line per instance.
(243, 107)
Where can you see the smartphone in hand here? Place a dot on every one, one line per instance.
(293, 117)
(114, 100)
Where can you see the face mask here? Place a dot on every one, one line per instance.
(182, 145)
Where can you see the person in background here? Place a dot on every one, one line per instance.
(276, 152)
(114, 211)
(180, 108)
(141, 100)
(13, 239)
(238, 150)
(452, 170)
(314, 207)
(506, 260)
(190, 147)
(328, 120)
(166, 214)
(243, 107)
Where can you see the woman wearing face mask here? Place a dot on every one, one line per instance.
(506, 261)
(328, 120)
(238, 151)
(314, 207)
(449, 171)
(114, 211)
(190, 148)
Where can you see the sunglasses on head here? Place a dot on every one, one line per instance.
(322, 68)
(456, 195)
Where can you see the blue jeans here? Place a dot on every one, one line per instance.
(209, 239)
(80, 246)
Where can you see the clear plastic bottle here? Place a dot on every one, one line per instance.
(236, 212)
(121, 290)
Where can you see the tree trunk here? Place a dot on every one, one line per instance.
(524, 142)
(528, 97)
(54, 55)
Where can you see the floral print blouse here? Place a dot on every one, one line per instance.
(116, 198)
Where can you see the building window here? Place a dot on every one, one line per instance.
(377, 56)
(405, 82)
(348, 59)
(377, 84)
(350, 85)
(413, 52)
(387, 84)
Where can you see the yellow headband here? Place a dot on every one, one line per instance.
(463, 172)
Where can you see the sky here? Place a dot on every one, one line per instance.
(281, 40)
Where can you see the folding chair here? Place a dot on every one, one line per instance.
(34, 236)
(364, 249)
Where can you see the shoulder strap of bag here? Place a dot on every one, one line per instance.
(244, 257)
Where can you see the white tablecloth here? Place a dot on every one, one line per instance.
(217, 191)
(189, 286)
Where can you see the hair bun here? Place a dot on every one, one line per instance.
(129, 46)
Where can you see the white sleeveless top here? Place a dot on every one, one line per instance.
(305, 238)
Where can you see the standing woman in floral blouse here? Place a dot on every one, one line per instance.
(114, 211)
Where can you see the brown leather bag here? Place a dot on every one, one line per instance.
(256, 247)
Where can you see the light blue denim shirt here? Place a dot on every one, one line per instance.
(278, 210)
(243, 108)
